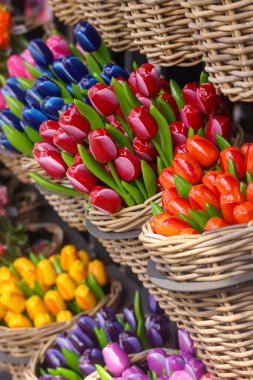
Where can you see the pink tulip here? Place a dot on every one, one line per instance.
(26, 56)
(58, 46)
(16, 67)
(180, 375)
(2, 101)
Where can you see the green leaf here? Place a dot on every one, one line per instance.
(25, 83)
(126, 107)
(95, 287)
(177, 94)
(160, 165)
(89, 113)
(221, 142)
(54, 187)
(14, 105)
(38, 290)
(93, 66)
(232, 168)
(124, 125)
(76, 91)
(200, 216)
(103, 374)
(243, 188)
(191, 132)
(71, 359)
(203, 77)
(167, 110)
(212, 211)
(201, 132)
(18, 139)
(76, 52)
(103, 50)
(131, 98)
(149, 178)
(67, 158)
(134, 192)
(68, 374)
(156, 209)
(33, 135)
(101, 336)
(33, 70)
(249, 177)
(120, 139)
(182, 185)
(191, 221)
(135, 65)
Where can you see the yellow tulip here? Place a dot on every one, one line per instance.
(34, 306)
(77, 271)
(2, 311)
(15, 321)
(68, 256)
(27, 270)
(6, 276)
(63, 316)
(55, 255)
(11, 287)
(98, 270)
(84, 256)
(46, 273)
(54, 302)
(85, 298)
(66, 286)
(13, 302)
(42, 319)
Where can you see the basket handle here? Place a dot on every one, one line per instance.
(94, 231)
(4, 357)
(191, 287)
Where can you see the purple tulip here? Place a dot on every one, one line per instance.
(132, 373)
(87, 361)
(174, 363)
(87, 324)
(129, 316)
(51, 377)
(180, 375)
(54, 359)
(115, 359)
(130, 342)
(105, 314)
(158, 330)
(80, 340)
(156, 360)
(186, 344)
(113, 329)
(195, 368)
(162, 378)
(153, 305)
(61, 341)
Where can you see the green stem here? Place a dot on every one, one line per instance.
(160, 151)
(115, 176)
(141, 187)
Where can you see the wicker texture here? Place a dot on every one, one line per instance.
(220, 321)
(223, 30)
(160, 30)
(20, 343)
(67, 11)
(13, 163)
(52, 229)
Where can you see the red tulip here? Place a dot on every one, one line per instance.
(188, 168)
(245, 148)
(127, 165)
(226, 182)
(249, 192)
(74, 124)
(81, 178)
(228, 201)
(181, 148)
(243, 213)
(209, 180)
(116, 124)
(235, 154)
(102, 146)
(142, 123)
(191, 116)
(48, 129)
(64, 142)
(145, 149)
(132, 82)
(178, 133)
(168, 98)
(207, 99)
(105, 199)
(50, 159)
(249, 160)
(165, 85)
(103, 99)
(190, 93)
(199, 195)
(166, 179)
(148, 80)
(146, 102)
(218, 124)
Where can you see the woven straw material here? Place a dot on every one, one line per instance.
(223, 29)
(110, 248)
(160, 30)
(13, 163)
(18, 343)
(17, 371)
(67, 11)
(55, 232)
(70, 209)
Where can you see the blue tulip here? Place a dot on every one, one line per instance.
(87, 82)
(33, 99)
(7, 117)
(70, 90)
(87, 36)
(51, 107)
(13, 88)
(110, 70)
(45, 71)
(45, 87)
(70, 69)
(41, 54)
(32, 117)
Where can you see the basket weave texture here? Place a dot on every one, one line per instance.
(23, 343)
(220, 321)
(223, 31)
(67, 12)
(13, 163)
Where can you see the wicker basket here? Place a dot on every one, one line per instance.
(18, 345)
(13, 162)
(54, 232)
(70, 209)
(68, 11)
(208, 278)
(223, 30)
(160, 30)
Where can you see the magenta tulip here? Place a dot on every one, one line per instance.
(156, 360)
(178, 133)
(103, 99)
(27, 57)
(127, 165)
(74, 124)
(186, 343)
(146, 102)
(105, 199)
(190, 93)
(2, 101)
(58, 46)
(102, 146)
(50, 159)
(174, 363)
(16, 67)
(191, 116)
(180, 375)
(115, 359)
(145, 149)
(81, 178)
(218, 124)
(48, 129)
(142, 123)
(64, 142)
(148, 80)
(206, 376)
(207, 99)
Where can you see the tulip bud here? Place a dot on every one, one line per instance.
(127, 165)
(132, 82)
(53, 359)
(186, 344)
(203, 151)
(209, 180)
(145, 149)
(77, 271)
(64, 142)
(70, 69)
(7, 117)
(191, 116)
(41, 54)
(146, 102)
(153, 305)
(98, 271)
(156, 361)
(105, 314)
(234, 154)
(142, 123)
(129, 316)
(103, 99)
(42, 319)
(148, 80)
(188, 168)
(16, 67)
(81, 178)
(102, 146)
(87, 82)
(157, 327)
(13, 301)
(48, 129)
(129, 342)
(168, 98)
(33, 99)
(68, 256)
(62, 340)
(112, 330)
(46, 273)
(87, 361)
(74, 124)
(80, 340)
(174, 363)
(181, 148)
(58, 46)
(45, 87)
(66, 286)
(195, 368)
(218, 124)
(207, 99)
(51, 107)
(105, 199)
(14, 320)
(32, 117)
(180, 375)
(87, 36)
(85, 298)
(34, 305)
(54, 302)
(115, 359)
(226, 182)
(87, 324)
(190, 93)
(179, 133)
(14, 89)
(50, 159)
(110, 70)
